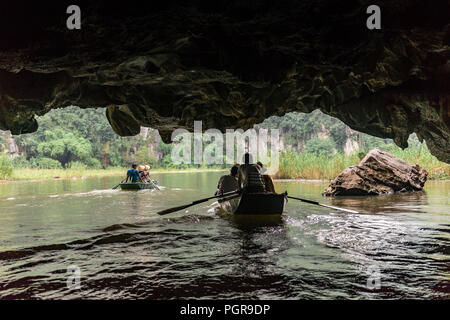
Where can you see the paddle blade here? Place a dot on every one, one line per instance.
(167, 211)
(116, 187)
(119, 184)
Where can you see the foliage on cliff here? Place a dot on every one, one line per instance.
(312, 146)
(73, 137)
(317, 132)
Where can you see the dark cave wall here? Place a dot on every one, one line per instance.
(231, 64)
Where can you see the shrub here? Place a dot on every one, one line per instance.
(5, 167)
(20, 162)
(143, 156)
(94, 163)
(45, 163)
(76, 165)
(319, 146)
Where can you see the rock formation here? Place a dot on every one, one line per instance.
(8, 144)
(378, 173)
(231, 64)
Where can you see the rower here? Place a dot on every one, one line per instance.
(228, 182)
(268, 183)
(133, 174)
(249, 176)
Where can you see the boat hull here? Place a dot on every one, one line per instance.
(136, 186)
(254, 204)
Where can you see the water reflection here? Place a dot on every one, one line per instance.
(135, 201)
(256, 270)
(388, 203)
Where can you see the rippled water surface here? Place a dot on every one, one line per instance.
(125, 250)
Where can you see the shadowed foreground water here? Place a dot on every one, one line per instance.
(125, 251)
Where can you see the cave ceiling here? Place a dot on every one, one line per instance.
(231, 64)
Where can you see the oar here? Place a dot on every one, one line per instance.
(167, 211)
(119, 184)
(322, 205)
(154, 184)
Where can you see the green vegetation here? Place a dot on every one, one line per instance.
(81, 139)
(74, 138)
(5, 167)
(315, 147)
(294, 165)
(75, 143)
(315, 132)
(305, 165)
(43, 174)
(297, 128)
(418, 153)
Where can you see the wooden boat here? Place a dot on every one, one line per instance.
(137, 186)
(254, 204)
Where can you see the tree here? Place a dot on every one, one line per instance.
(143, 156)
(65, 147)
(320, 146)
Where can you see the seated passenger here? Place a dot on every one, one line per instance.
(268, 183)
(142, 173)
(132, 174)
(140, 169)
(228, 182)
(142, 177)
(249, 176)
(147, 174)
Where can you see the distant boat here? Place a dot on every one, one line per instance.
(254, 204)
(138, 186)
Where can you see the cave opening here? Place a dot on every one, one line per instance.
(310, 145)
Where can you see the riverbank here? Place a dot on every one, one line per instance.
(310, 166)
(48, 174)
(281, 176)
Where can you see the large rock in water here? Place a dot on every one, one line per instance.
(378, 173)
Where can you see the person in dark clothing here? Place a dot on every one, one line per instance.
(249, 176)
(268, 183)
(133, 174)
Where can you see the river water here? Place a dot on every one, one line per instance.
(398, 247)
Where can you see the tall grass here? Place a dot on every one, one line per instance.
(422, 156)
(5, 167)
(312, 166)
(43, 174)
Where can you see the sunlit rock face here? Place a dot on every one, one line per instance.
(231, 64)
(378, 173)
